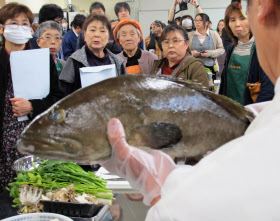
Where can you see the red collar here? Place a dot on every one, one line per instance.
(8, 52)
(167, 70)
(175, 65)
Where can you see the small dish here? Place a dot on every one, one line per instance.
(26, 163)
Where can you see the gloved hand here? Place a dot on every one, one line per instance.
(256, 108)
(145, 171)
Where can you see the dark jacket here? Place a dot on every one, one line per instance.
(69, 43)
(34, 41)
(39, 105)
(70, 80)
(226, 39)
(255, 74)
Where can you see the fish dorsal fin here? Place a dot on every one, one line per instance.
(156, 135)
(228, 104)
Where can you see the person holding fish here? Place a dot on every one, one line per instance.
(178, 61)
(128, 34)
(238, 181)
(16, 20)
(97, 33)
(242, 69)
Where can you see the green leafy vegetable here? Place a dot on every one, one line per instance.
(51, 175)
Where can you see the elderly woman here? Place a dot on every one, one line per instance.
(50, 36)
(178, 61)
(128, 35)
(97, 33)
(206, 44)
(16, 20)
(242, 66)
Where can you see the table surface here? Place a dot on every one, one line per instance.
(126, 207)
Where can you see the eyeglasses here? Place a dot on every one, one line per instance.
(14, 26)
(198, 20)
(174, 42)
(49, 38)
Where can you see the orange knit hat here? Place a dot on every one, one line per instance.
(125, 22)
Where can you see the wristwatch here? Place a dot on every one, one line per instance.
(197, 6)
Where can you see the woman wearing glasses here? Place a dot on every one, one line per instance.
(206, 44)
(50, 36)
(16, 20)
(178, 61)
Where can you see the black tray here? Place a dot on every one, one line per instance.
(72, 209)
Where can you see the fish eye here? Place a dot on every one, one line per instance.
(57, 115)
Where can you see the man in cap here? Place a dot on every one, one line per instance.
(128, 34)
(122, 11)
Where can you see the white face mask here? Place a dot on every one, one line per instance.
(187, 22)
(64, 25)
(17, 34)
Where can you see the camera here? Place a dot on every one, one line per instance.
(158, 23)
(184, 5)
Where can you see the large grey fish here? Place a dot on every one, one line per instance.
(177, 117)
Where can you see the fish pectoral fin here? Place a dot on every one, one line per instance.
(156, 135)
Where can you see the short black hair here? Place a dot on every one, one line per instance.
(171, 28)
(205, 18)
(78, 20)
(94, 17)
(121, 5)
(96, 5)
(49, 12)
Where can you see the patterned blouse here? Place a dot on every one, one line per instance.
(12, 130)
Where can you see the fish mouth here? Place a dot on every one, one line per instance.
(51, 147)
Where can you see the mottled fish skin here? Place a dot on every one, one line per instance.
(74, 129)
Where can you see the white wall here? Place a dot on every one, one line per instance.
(35, 5)
(214, 8)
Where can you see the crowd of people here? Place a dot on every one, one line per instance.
(186, 48)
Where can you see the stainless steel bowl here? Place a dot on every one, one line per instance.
(26, 163)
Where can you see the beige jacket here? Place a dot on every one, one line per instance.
(218, 46)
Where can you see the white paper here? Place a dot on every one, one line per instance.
(93, 75)
(113, 184)
(30, 74)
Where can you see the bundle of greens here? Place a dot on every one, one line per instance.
(51, 175)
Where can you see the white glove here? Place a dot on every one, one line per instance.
(256, 108)
(145, 171)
